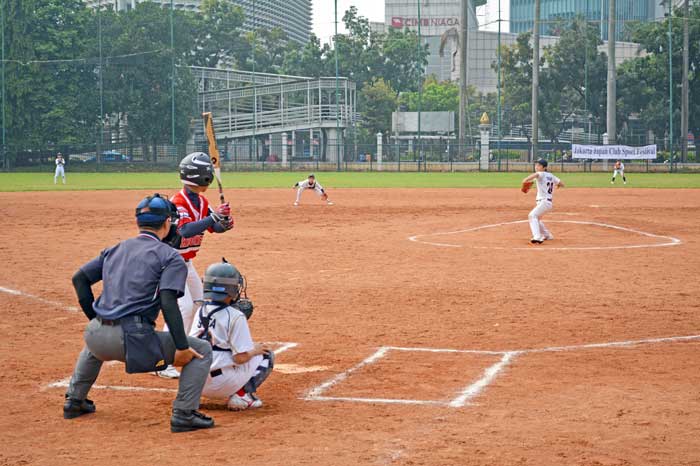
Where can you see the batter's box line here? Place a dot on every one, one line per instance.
(476, 388)
(63, 383)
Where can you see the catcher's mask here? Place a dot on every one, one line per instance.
(222, 280)
(154, 210)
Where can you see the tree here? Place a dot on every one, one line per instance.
(516, 76)
(403, 60)
(48, 101)
(139, 87)
(218, 39)
(379, 101)
(643, 82)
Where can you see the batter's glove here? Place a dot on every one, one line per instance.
(526, 186)
(225, 222)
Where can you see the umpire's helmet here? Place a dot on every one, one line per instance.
(154, 210)
(222, 280)
(196, 169)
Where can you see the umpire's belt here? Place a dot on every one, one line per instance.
(137, 319)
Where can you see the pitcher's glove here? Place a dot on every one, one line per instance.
(245, 305)
(526, 186)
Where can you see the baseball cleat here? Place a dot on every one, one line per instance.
(296, 203)
(536, 241)
(189, 420)
(168, 373)
(241, 403)
(74, 408)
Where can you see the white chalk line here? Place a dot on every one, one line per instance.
(63, 383)
(476, 388)
(316, 392)
(670, 240)
(38, 298)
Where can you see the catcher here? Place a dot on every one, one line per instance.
(239, 365)
(310, 183)
(546, 182)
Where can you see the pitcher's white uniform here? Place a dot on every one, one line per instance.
(306, 184)
(230, 336)
(546, 182)
(60, 170)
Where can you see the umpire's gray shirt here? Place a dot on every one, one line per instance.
(133, 272)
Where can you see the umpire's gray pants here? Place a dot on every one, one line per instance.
(106, 343)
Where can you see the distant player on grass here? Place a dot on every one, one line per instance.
(60, 169)
(310, 183)
(546, 182)
(619, 170)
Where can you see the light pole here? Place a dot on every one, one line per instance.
(612, 77)
(2, 26)
(420, 89)
(172, 73)
(670, 82)
(684, 97)
(535, 80)
(499, 86)
(337, 92)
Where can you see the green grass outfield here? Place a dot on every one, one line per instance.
(251, 180)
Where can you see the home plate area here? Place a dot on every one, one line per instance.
(425, 376)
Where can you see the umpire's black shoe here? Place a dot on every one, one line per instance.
(73, 408)
(188, 420)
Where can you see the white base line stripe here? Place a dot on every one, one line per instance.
(378, 400)
(670, 240)
(63, 383)
(440, 350)
(38, 298)
(489, 375)
(613, 344)
(314, 393)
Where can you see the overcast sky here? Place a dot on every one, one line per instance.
(374, 10)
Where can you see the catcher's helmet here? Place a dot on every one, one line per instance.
(196, 169)
(154, 210)
(222, 280)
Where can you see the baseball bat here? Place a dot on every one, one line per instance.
(213, 151)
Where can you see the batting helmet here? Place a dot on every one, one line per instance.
(196, 169)
(154, 210)
(222, 280)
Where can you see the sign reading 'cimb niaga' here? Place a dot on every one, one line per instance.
(404, 21)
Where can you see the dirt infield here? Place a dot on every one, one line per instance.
(375, 378)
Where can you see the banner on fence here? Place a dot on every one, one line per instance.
(580, 151)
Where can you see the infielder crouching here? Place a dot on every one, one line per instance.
(310, 183)
(546, 182)
(239, 365)
(619, 170)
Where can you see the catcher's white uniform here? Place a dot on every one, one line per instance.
(546, 182)
(230, 335)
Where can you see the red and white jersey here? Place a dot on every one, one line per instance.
(188, 213)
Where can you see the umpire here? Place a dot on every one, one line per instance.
(140, 276)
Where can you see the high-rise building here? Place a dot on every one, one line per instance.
(292, 16)
(522, 14)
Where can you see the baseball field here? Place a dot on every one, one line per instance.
(413, 322)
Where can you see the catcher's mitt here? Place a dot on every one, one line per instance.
(526, 186)
(245, 305)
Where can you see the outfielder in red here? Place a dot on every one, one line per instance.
(196, 218)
